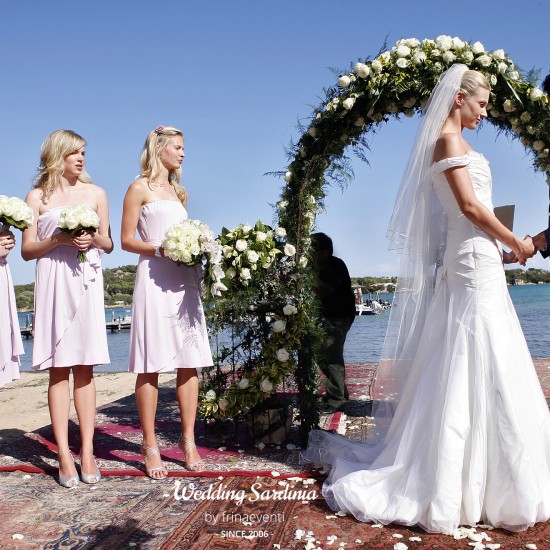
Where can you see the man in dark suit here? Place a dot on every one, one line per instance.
(334, 289)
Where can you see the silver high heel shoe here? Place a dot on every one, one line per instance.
(68, 482)
(90, 479)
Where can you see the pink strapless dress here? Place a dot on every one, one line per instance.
(168, 326)
(11, 346)
(69, 315)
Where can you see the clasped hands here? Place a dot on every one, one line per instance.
(526, 249)
(80, 239)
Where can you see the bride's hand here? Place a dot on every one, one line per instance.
(524, 249)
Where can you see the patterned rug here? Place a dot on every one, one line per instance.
(227, 448)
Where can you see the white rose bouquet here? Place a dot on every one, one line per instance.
(76, 220)
(15, 212)
(191, 242)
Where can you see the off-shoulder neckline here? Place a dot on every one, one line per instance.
(472, 152)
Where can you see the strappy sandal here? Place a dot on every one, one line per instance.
(147, 452)
(185, 445)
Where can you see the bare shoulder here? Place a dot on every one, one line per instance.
(449, 145)
(98, 191)
(34, 197)
(139, 186)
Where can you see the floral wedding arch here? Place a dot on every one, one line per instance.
(396, 83)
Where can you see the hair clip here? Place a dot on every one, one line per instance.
(159, 130)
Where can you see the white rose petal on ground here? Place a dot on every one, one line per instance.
(400, 546)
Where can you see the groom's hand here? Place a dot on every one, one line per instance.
(539, 241)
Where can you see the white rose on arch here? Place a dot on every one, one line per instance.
(348, 103)
(289, 250)
(448, 57)
(344, 81)
(288, 176)
(376, 66)
(484, 60)
(289, 309)
(210, 395)
(419, 57)
(478, 47)
(362, 70)
(252, 256)
(241, 245)
(279, 325)
(538, 145)
(509, 106)
(266, 385)
(243, 383)
(535, 94)
(468, 56)
(280, 232)
(402, 51)
(282, 355)
(402, 63)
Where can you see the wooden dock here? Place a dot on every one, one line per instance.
(115, 325)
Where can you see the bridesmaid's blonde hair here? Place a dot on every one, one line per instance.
(151, 165)
(55, 148)
(472, 81)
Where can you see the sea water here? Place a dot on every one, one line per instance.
(364, 341)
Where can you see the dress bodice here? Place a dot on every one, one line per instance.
(480, 176)
(46, 224)
(158, 216)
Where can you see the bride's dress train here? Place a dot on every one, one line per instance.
(470, 439)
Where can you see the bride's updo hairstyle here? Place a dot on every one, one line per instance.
(472, 81)
(151, 165)
(55, 148)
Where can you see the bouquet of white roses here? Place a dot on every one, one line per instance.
(15, 212)
(191, 242)
(249, 251)
(76, 220)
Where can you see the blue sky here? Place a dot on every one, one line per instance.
(236, 77)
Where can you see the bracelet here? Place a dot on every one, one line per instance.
(157, 252)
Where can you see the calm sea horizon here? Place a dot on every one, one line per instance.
(364, 341)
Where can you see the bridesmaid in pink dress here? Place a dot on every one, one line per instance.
(11, 346)
(168, 326)
(69, 320)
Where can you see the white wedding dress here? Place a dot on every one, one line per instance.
(470, 439)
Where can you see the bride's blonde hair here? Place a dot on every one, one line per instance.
(151, 165)
(55, 148)
(472, 81)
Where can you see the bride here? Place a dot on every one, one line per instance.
(462, 426)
